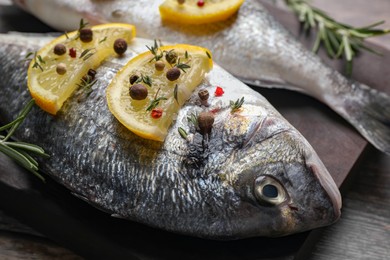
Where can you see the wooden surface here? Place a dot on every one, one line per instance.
(362, 233)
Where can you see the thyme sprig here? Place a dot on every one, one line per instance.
(37, 59)
(340, 40)
(20, 151)
(158, 54)
(87, 53)
(145, 79)
(155, 102)
(237, 104)
(182, 66)
(87, 83)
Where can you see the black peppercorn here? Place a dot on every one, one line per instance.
(133, 78)
(86, 35)
(59, 49)
(171, 56)
(138, 92)
(173, 74)
(120, 46)
(92, 73)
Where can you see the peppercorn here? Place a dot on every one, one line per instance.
(86, 35)
(171, 56)
(205, 122)
(87, 78)
(138, 92)
(59, 49)
(133, 78)
(160, 65)
(181, 2)
(61, 68)
(120, 46)
(72, 52)
(173, 74)
(156, 113)
(204, 96)
(200, 3)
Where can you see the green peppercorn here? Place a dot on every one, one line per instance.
(173, 74)
(205, 122)
(133, 78)
(138, 92)
(59, 49)
(61, 68)
(159, 65)
(171, 56)
(86, 35)
(120, 46)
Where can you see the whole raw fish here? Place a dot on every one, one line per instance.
(253, 175)
(251, 45)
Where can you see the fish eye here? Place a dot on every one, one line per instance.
(269, 191)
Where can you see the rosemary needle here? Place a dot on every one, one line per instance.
(340, 40)
(20, 151)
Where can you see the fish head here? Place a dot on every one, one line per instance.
(282, 185)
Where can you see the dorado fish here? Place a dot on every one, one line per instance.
(252, 175)
(251, 45)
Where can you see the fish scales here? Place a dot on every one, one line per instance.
(251, 45)
(206, 185)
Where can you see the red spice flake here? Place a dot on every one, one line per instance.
(72, 52)
(200, 3)
(219, 91)
(156, 113)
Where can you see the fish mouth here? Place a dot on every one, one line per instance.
(327, 183)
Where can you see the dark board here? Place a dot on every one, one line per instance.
(50, 209)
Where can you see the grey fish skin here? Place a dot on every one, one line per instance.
(209, 187)
(252, 46)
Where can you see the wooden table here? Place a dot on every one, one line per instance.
(362, 233)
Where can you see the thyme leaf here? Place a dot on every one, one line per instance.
(182, 132)
(155, 51)
(182, 66)
(145, 79)
(175, 93)
(154, 103)
(340, 40)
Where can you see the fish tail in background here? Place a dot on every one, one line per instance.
(369, 111)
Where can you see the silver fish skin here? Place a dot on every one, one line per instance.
(251, 45)
(209, 186)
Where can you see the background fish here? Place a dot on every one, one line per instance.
(254, 175)
(251, 45)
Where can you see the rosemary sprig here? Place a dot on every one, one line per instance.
(155, 51)
(87, 83)
(20, 151)
(182, 66)
(236, 105)
(145, 79)
(86, 54)
(340, 40)
(37, 59)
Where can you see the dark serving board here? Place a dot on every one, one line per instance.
(51, 210)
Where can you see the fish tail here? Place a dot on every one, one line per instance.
(369, 111)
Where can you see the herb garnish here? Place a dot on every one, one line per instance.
(193, 118)
(236, 105)
(340, 40)
(86, 54)
(154, 50)
(38, 60)
(154, 103)
(145, 79)
(86, 83)
(182, 132)
(182, 66)
(20, 151)
(103, 40)
(175, 93)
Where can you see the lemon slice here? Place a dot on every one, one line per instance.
(150, 113)
(198, 12)
(53, 75)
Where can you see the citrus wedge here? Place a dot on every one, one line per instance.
(198, 12)
(58, 68)
(146, 95)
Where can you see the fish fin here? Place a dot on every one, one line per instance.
(271, 83)
(368, 110)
